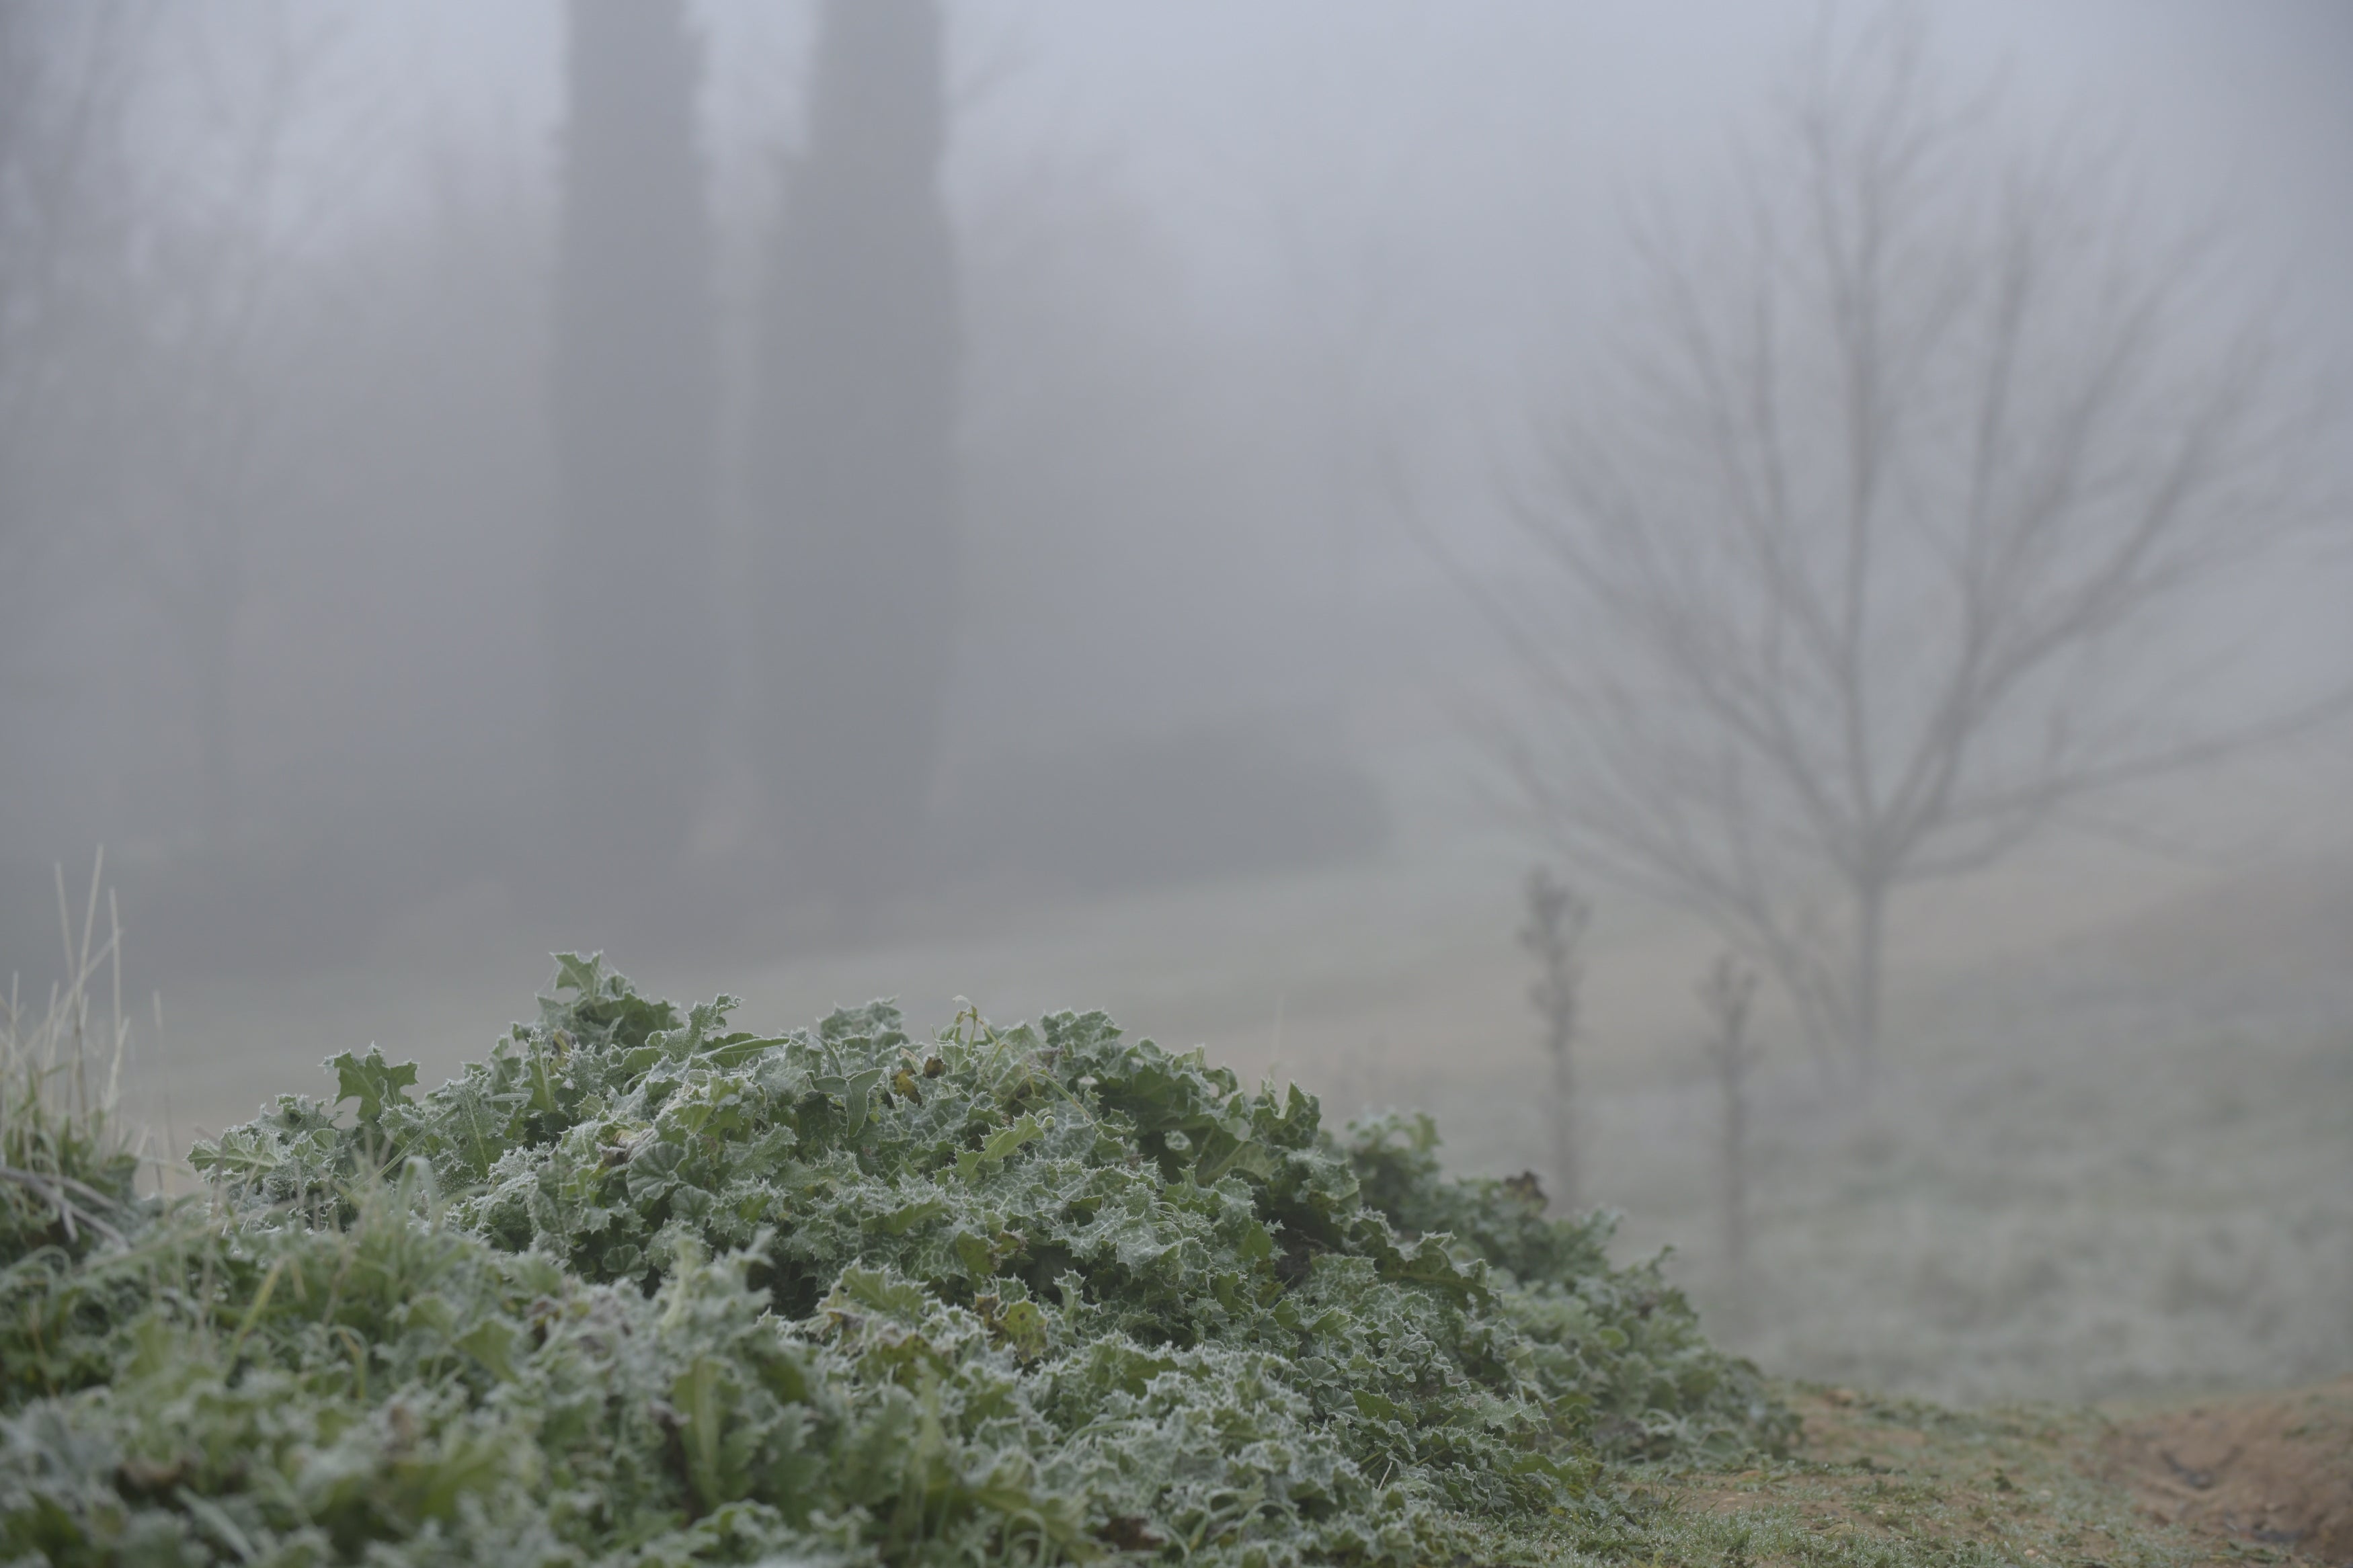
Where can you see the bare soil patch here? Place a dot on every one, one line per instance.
(1877, 1483)
(2275, 1468)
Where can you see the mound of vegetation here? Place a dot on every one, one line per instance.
(639, 1289)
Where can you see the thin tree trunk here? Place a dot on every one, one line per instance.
(1556, 922)
(1736, 1170)
(1870, 943)
(1563, 1128)
(1727, 992)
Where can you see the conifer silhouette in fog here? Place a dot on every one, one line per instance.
(632, 403)
(852, 465)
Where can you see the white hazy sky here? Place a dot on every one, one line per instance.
(1465, 161)
(1473, 154)
(1432, 108)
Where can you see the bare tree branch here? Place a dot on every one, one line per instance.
(1887, 464)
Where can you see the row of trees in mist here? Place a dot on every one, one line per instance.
(165, 343)
(583, 508)
(852, 468)
(423, 511)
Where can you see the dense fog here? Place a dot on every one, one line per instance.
(1179, 506)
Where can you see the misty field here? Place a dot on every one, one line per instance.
(2110, 1155)
(1680, 671)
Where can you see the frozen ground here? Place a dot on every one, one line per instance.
(2113, 1154)
(2120, 1165)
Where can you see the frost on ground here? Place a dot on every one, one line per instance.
(639, 1287)
(2123, 1169)
(2119, 1166)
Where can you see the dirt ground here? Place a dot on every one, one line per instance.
(2273, 1467)
(2257, 1478)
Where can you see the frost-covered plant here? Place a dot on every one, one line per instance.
(66, 1164)
(639, 1288)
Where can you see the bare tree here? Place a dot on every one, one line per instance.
(1898, 470)
(1556, 922)
(1727, 990)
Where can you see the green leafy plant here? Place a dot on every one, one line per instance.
(639, 1287)
(67, 1165)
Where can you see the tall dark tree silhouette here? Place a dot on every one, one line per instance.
(635, 646)
(854, 474)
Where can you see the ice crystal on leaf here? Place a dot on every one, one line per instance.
(639, 1288)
